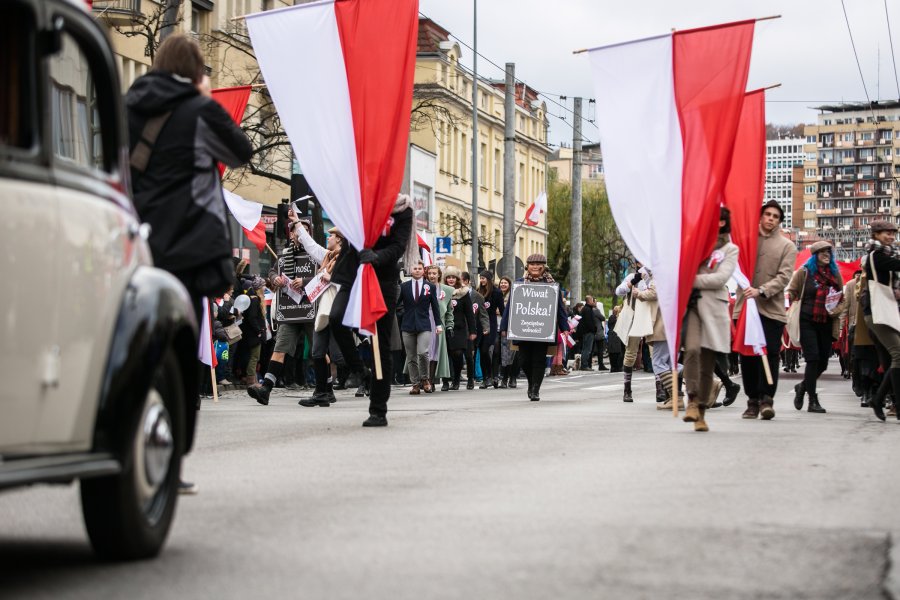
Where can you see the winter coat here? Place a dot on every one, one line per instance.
(659, 330)
(253, 325)
(389, 249)
(439, 340)
(463, 319)
(799, 283)
(613, 344)
(775, 257)
(493, 309)
(712, 306)
(179, 193)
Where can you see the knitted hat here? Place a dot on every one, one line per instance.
(773, 204)
(819, 246)
(487, 275)
(537, 258)
(882, 225)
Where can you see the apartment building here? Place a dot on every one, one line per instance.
(443, 134)
(853, 152)
(782, 156)
(591, 164)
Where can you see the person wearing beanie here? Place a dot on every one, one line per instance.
(811, 285)
(775, 256)
(534, 354)
(880, 264)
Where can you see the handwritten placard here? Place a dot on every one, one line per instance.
(289, 310)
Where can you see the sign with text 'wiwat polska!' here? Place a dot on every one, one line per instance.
(532, 312)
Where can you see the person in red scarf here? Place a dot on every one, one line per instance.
(818, 286)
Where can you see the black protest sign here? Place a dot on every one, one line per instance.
(287, 310)
(532, 312)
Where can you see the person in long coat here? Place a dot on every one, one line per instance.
(534, 354)
(614, 344)
(819, 327)
(463, 323)
(439, 358)
(509, 358)
(490, 349)
(707, 324)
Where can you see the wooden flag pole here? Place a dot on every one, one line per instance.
(765, 362)
(376, 354)
(675, 391)
(272, 251)
(215, 386)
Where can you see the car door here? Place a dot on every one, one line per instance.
(97, 243)
(28, 203)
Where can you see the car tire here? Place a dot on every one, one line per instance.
(128, 515)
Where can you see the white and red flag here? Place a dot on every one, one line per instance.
(743, 196)
(249, 215)
(537, 208)
(206, 351)
(341, 76)
(424, 250)
(668, 110)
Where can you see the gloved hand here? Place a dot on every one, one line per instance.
(636, 279)
(695, 297)
(367, 256)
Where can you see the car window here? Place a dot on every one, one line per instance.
(75, 120)
(17, 70)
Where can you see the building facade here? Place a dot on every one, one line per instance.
(852, 151)
(442, 126)
(781, 157)
(591, 164)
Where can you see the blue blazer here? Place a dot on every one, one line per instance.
(415, 314)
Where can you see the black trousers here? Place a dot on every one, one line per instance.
(534, 362)
(380, 389)
(755, 384)
(816, 341)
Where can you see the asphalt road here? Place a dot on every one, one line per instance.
(483, 494)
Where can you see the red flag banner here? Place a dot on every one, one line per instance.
(234, 101)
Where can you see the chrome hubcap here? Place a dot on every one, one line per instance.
(154, 447)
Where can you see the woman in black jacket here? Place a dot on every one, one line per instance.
(614, 344)
(882, 263)
(489, 348)
(463, 324)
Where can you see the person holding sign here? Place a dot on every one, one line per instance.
(818, 286)
(419, 297)
(531, 317)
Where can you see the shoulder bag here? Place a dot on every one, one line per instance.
(882, 301)
(793, 315)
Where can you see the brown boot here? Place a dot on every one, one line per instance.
(426, 386)
(692, 414)
(765, 409)
(701, 425)
(752, 409)
(415, 390)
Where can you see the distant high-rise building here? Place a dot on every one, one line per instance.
(781, 157)
(851, 162)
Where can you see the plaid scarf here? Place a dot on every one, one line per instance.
(824, 281)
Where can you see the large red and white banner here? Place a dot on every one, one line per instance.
(744, 192)
(668, 110)
(341, 76)
(249, 215)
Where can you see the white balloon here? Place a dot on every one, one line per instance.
(242, 302)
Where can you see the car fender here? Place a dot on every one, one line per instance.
(155, 314)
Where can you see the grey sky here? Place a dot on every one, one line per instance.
(808, 50)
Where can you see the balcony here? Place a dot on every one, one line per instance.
(117, 10)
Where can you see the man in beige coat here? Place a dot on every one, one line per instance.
(775, 257)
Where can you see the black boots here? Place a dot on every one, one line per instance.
(814, 406)
(446, 386)
(661, 395)
(626, 397)
(732, 390)
(799, 392)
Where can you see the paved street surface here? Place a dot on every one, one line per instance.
(483, 494)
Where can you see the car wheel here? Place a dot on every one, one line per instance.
(128, 515)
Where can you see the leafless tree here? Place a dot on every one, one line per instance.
(147, 26)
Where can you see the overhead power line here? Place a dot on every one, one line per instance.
(856, 55)
(887, 19)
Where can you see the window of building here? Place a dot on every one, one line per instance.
(463, 156)
(482, 176)
(809, 223)
(498, 171)
(521, 183)
(809, 189)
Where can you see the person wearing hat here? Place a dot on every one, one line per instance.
(881, 262)
(489, 348)
(775, 257)
(534, 354)
(464, 323)
(811, 285)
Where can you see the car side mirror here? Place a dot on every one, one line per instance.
(50, 40)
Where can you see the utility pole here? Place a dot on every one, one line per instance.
(509, 174)
(475, 140)
(575, 235)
